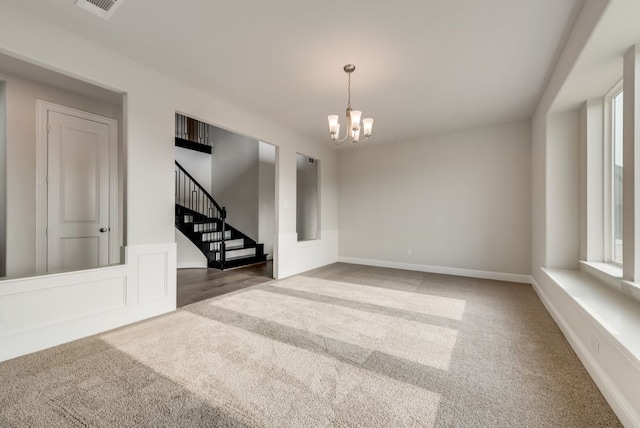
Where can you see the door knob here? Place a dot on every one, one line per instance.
(104, 229)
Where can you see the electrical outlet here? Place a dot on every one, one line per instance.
(595, 345)
(409, 252)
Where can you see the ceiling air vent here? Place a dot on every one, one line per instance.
(103, 8)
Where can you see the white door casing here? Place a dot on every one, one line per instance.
(77, 183)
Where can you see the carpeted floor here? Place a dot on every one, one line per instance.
(343, 346)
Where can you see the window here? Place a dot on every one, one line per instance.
(616, 178)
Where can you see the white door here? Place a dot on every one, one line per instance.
(77, 192)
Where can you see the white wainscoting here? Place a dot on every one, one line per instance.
(293, 257)
(602, 327)
(44, 311)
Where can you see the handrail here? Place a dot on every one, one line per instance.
(191, 195)
(202, 189)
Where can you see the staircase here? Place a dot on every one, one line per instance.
(203, 221)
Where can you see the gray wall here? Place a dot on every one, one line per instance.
(234, 179)
(460, 200)
(21, 96)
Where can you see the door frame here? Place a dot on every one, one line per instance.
(42, 155)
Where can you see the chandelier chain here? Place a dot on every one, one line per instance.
(349, 93)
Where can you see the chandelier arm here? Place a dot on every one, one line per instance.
(339, 141)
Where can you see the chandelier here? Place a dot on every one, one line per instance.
(353, 119)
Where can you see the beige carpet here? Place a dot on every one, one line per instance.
(343, 346)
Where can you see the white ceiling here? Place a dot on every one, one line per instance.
(423, 66)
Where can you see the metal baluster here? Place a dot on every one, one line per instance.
(223, 245)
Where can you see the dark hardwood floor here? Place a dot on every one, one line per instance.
(195, 285)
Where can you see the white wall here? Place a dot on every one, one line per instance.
(197, 164)
(150, 104)
(234, 179)
(21, 96)
(563, 197)
(188, 255)
(458, 201)
(267, 197)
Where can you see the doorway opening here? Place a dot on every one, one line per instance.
(231, 226)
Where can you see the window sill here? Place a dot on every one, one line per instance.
(611, 275)
(618, 316)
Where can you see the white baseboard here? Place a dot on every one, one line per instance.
(616, 399)
(472, 273)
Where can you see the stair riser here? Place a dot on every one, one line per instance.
(205, 227)
(230, 244)
(214, 236)
(244, 252)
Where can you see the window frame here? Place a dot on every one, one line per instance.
(608, 169)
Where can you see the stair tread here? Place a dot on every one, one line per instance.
(232, 259)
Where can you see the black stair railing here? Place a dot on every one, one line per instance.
(193, 134)
(191, 195)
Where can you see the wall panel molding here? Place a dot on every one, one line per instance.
(48, 310)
